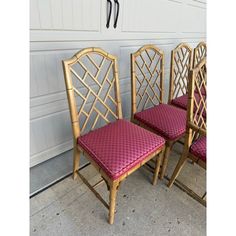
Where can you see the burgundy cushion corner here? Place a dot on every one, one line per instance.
(166, 120)
(198, 148)
(119, 146)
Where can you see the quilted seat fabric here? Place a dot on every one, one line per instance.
(168, 121)
(119, 146)
(198, 148)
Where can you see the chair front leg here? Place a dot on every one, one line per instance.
(113, 192)
(76, 162)
(178, 168)
(165, 159)
(159, 160)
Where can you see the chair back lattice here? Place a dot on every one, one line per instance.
(197, 107)
(200, 52)
(181, 63)
(147, 71)
(92, 85)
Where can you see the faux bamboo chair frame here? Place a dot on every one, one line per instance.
(196, 122)
(112, 185)
(200, 52)
(157, 86)
(181, 63)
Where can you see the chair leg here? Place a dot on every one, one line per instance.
(112, 205)
(165, 160)
(178, 168)
(157, 168)
(76, 162)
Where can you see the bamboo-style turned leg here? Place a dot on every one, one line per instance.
(165, 160)
(157, 167)
(178, 168)
(76, 162)
(112, 205)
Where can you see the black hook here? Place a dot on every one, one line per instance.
(109, 14)
(117, 7)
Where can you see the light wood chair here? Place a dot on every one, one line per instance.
(200, 52)
(195, 141)
(148, 109)
(118, 147)
(181, 63)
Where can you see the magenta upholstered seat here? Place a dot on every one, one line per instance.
(198, 148)
(166, 120)
(119, 146)
(182, 102)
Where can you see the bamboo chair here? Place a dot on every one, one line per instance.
(200, 52)
(195, 141)
(118, 147)
(181, 63)
(177, 99)
(148, 110)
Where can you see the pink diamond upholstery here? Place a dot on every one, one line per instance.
(166, 120)
(198, 148)
(119, 146)
(182, 102)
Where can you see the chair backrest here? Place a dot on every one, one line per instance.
(200, 52)
(147, 73)
(197, 107)
(92, 85)
(181, 63)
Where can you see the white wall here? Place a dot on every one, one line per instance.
(59, 28)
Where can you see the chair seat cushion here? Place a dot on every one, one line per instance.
(182, 102)
(166, 120)
(119, 146)
(198, 148)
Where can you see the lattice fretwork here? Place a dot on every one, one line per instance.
(197, 100)
(92, 87)
(147, 75)
(200, 52)
(181, 63)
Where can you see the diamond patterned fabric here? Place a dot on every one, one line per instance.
(119, 146)
(198, 148)
(166, 120)
(182, 102)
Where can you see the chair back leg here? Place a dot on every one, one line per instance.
(76, 162)
(159, 160)
(165, 159)
(178, 168)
